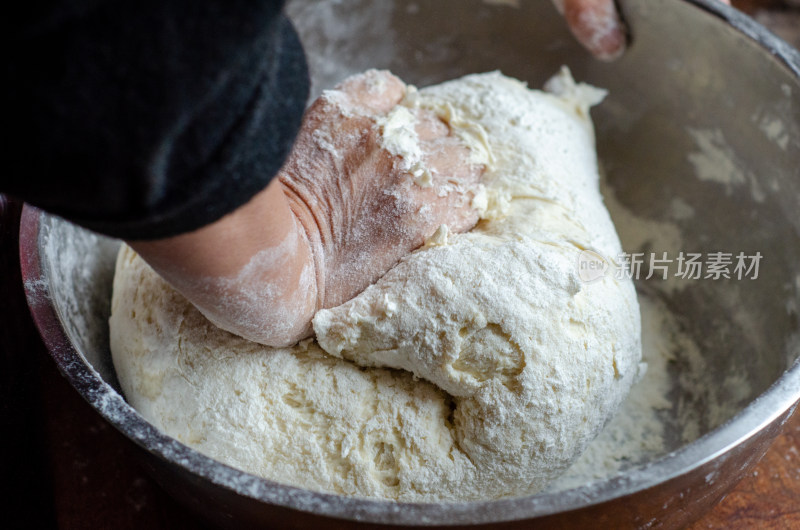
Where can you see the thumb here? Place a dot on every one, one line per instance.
(597, 25)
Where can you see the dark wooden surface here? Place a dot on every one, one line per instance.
(64, 467)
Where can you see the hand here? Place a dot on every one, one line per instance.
(341, 212)
(367, 211)
(597, 25)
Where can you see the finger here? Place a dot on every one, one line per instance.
(450, 160)
(429, 126)
(453, 184)
(597, 25)
(371, 92)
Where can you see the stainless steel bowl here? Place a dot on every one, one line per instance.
(692, 66)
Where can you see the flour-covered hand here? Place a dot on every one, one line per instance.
(343, 210)
(363, 206)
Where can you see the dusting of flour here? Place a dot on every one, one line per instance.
(661, 412)
(637, 434)
(479, 367)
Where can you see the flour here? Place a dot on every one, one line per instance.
(479, 367)
(637, 434)
(673, 404)
(399, 137)
(715, 161)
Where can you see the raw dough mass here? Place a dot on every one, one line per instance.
(479, 367)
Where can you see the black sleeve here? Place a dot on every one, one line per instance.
(147, 118)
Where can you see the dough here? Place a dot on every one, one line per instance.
(479, 367)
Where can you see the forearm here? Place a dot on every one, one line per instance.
(252, 272)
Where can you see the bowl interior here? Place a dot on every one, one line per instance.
(700, 132)
(700, 135)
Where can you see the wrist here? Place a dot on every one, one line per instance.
(251, 273)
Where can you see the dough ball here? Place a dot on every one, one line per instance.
(479, 367)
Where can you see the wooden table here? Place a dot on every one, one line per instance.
(64, 467)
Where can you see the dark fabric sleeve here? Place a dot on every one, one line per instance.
(144, 119)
